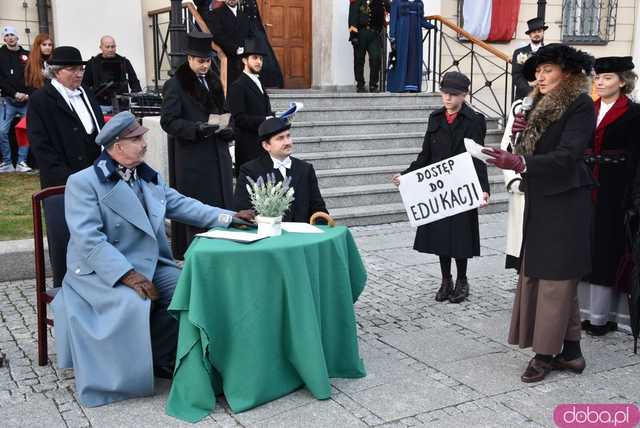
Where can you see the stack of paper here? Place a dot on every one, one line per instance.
(230, 235)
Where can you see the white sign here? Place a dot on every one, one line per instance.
(441, 190)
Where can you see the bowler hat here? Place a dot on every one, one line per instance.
(122, 125)
(272, 126)
(570, 59)
(454, 83)
(254, 47)
(199, 44)
(613, 64)
(536, 24)
(66, 55)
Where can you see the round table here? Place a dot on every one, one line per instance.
(260, 320)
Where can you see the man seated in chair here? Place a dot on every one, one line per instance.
(111, 319)
(276, 141)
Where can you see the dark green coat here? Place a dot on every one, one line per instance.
(457, 236)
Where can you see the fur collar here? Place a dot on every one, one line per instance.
(213, 100)
(549, 108)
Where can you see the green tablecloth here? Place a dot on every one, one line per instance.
(260, 320)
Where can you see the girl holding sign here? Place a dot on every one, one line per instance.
(457, 236)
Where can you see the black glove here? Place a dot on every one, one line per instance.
(205, 130)
(226, 134)
(353, 38)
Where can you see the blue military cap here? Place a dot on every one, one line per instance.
(122, 125)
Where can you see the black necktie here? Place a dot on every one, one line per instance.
(204, 82)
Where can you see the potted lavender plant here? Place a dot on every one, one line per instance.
(271, 200)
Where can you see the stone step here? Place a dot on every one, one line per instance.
(352, 194)
(351, 159)
(280, 99)
(360, 176)
(356, 112)
(357, 127)
(395, 212)
(372, 141)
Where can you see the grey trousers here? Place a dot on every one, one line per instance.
(164, 327)
(600, 304)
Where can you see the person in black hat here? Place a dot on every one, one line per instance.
(199, 154)
(64, 120)
(249, 104)
(457, 236)
(557, 233)
(278, 146)
(613, 158)
(535, 32)
(230, 27)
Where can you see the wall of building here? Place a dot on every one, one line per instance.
(82, 23)
(25, 20)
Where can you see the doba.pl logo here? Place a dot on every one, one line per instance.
(596, 415)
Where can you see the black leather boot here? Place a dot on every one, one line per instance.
(461, 292)
(445, 290)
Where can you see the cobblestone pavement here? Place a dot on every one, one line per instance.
(428, 363)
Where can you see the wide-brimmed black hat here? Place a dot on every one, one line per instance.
(66, 55)
(613, 64)
(254, 47)
(454, 83)
(568, 58)
(535, 24)
(272, 126)
(199, 44)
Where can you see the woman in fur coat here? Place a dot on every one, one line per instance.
(612, 158)
(556, 247)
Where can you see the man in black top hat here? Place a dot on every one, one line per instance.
(535, 32)
(249, 104)
(199, 152)
(109, 74)
(64, 120)
(277, 144)
(230, 27)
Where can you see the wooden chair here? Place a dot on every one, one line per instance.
(43, 297)
(322, 216)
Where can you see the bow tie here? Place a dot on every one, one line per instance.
(285, 163)
(75, 93)
(127, 174)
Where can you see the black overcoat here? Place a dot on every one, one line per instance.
(249, 107)
(308, 199)
(270, 75)
(203, 168)
(229, 32)
(558, 210)
(457, 236)
(614, 196)
(520, 83)
(57, 137)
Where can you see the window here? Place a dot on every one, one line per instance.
(589, 21)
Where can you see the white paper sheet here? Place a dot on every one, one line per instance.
(232, 235)
(475, 150)
(300, 227)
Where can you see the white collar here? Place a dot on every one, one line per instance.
(65, 92)
(234, 9)
(277, 162)
(255, 79)
(535, 47)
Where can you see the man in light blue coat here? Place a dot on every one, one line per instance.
(111, 319)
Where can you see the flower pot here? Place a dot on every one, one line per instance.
(269, 226)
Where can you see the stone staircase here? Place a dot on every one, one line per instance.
(356, 142)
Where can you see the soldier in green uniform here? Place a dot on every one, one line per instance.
(366, 19)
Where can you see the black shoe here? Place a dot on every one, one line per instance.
(461, 291)
(586, 324)
(163, 372)
(373, 89)
(361, 89)
(601, 330)
(446, 288)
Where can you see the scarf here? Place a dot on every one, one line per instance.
(618, 109)
(549, 108)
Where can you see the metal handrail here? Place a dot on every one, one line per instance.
(479, 56)
(160, 42)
